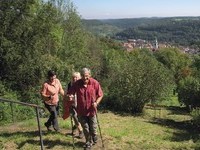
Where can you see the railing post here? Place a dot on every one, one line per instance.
(154, 111)
(1, 115)
(39, 128)
(11, 105)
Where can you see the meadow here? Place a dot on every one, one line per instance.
(168, 128)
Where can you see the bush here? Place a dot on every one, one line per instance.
(196, 116)
(138, 79)
(189, 92)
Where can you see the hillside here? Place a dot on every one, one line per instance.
(173, 30)
(100, 28)
(168, 129)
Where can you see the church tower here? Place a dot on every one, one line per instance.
(156, 44)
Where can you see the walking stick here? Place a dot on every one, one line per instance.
(99, 127)
(72, 132)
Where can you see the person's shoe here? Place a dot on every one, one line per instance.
(94, 138)
(87, 145)
(80, 134)
(48, 127)
(57, 130)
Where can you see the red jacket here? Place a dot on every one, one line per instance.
(86, 96)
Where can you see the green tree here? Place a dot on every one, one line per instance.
(189, 87)
(189, 92)
(30, 40)
(136, 79)
(176, 61)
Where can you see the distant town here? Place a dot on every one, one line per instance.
(131, 44)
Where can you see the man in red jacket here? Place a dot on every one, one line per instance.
(89, 95)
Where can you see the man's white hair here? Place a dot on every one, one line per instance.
(84, 70)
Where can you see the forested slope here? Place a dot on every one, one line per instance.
(174, 30)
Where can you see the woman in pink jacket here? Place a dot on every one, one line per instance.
(50, 90)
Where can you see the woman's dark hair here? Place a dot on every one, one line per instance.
(51, 73)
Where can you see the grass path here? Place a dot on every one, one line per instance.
(172, 129)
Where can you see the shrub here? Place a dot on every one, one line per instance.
(138, 79)
(189, 92)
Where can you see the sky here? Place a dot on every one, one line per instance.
(115, 9)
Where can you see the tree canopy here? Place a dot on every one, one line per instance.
(36, 36)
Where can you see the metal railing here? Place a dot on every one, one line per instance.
(156, 108)
(37, 114)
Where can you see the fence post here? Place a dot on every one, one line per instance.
(39, 128)
(160, 109)
(11, 105)
(154, 111)
(1, 115)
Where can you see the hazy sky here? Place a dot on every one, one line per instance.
(106, 9)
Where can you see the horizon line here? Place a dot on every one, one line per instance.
(139, 17)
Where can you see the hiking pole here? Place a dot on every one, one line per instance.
(99, 127)
(72, 132)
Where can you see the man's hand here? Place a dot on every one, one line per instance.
(95, 104)
(71, 97)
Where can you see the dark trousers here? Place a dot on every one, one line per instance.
(53, 120)
(89, 125)
(74, 115)
(58, 109)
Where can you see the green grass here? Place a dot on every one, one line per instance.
(172, 130)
